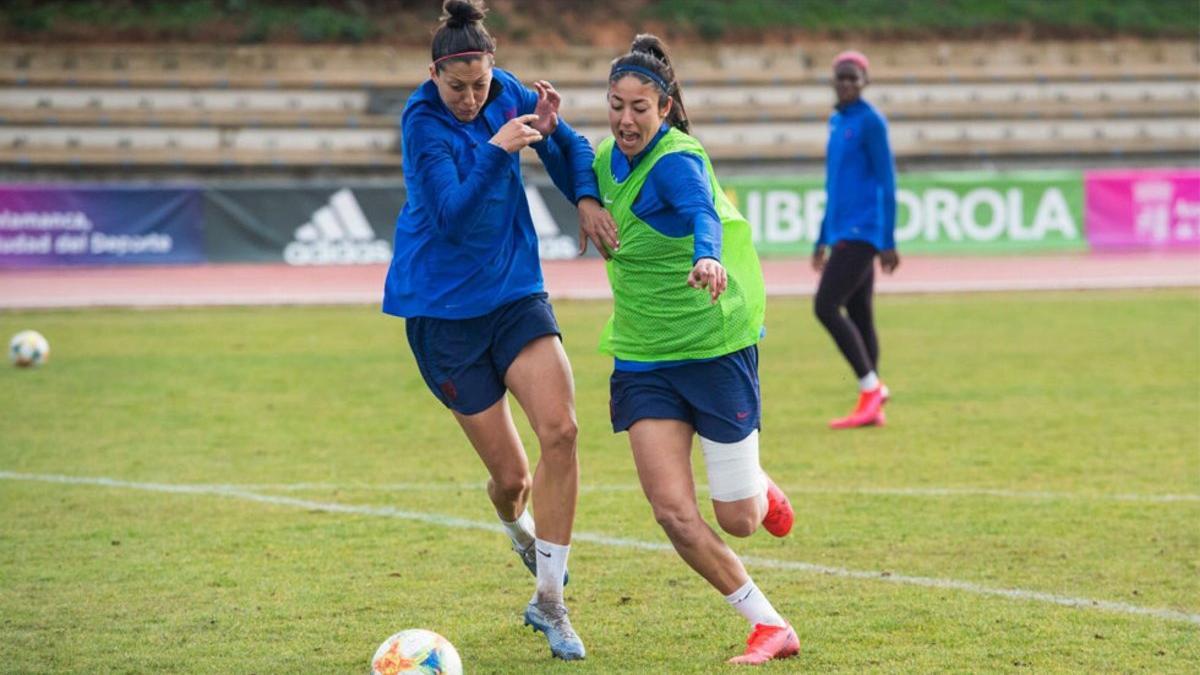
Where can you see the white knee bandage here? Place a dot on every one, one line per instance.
(733, 469)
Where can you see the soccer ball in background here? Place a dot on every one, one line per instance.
(417, 651)
(28, 348)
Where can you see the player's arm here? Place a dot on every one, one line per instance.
(458, 204)
(819, 248)
(568, 158)
(879, 152)
(682, 183)
(576, 179)
(566, 155)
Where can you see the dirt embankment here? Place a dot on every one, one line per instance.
(563, 23)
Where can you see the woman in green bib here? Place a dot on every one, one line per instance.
(688, 304)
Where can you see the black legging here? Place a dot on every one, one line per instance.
(849, 281)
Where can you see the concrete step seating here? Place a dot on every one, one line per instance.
(325, 67)
(209, 106)
(740, 141)
(706, 104)
(698, 113)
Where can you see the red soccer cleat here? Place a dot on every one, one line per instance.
(865, 413)
(780, 515)
(766, 643)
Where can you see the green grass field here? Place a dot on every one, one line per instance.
(1032, 441)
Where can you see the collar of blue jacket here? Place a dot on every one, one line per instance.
(856, 105)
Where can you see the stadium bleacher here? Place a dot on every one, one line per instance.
(337, 106)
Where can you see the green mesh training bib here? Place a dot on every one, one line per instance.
(656, 315)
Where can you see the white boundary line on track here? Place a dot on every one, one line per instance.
(790, 489)
(463, 523)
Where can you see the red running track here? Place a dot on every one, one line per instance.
(277, 284)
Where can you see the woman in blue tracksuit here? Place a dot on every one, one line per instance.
(465, 275)
(859, 224)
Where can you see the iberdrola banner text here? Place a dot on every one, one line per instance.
(960, 212)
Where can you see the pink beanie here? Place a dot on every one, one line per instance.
(857, 58)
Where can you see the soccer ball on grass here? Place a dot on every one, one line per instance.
(416, 651)
(28, 348)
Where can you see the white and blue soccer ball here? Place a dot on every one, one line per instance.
(416, 651)
(28, 348)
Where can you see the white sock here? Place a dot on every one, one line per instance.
(752, 604)
(551, 565)
(868, 382)
(521, 530)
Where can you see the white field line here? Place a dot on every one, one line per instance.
(790, 489)
(463, 523)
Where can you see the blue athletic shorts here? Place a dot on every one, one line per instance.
(719, 397)
(463, 361)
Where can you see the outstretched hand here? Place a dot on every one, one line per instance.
(597, 226)
(710, 274)
(547, 108)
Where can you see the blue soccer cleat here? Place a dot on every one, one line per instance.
(529, 557)
(551, 619)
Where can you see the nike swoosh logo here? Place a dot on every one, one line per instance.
(542, 552)
(607, 200)
(742, 415)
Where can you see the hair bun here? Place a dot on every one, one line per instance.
(459, 13)
(650, 44)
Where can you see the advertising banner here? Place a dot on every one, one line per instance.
(55, 226)
(1143, 208)
(300, 225)
(342, 225)
(952, 213)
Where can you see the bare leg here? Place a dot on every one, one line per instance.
(541, 380)
(737, 484)
(494, 437)
(662, 451)
(741, 518)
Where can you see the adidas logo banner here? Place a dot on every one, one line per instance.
(302, 225)
(344, 225)
(338, 234)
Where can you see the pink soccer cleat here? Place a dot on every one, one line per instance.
(870, 403)
(766, 643)
(780, 515)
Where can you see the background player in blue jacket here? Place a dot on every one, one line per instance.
(466, 276)
(859, 224)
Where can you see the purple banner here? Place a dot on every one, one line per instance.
(55, 226)
(1143, 208)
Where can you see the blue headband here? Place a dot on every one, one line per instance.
(654, 77)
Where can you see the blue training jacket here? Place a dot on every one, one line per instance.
(860, 179)
(465, 242)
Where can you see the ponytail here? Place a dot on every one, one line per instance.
(650, 62)
(461, 35)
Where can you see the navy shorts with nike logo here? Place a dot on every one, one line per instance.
(463, 361)
(719, 397)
